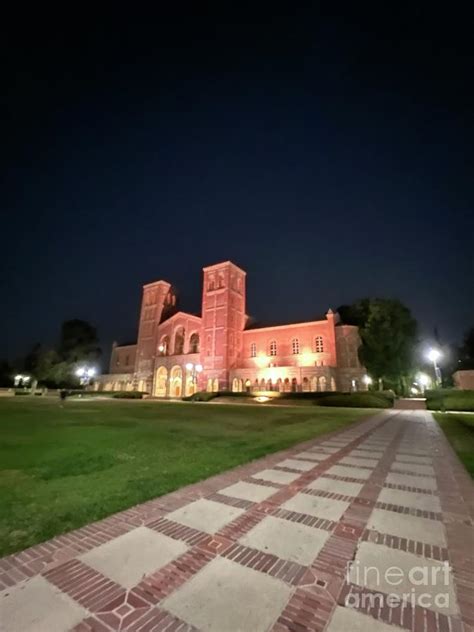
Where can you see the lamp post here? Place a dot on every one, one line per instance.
(85, 374)
(367, 381)
(433, 356)
(194, 369)
(22, 380)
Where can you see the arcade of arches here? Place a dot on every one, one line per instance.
(313, 384)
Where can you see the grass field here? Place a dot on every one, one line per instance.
(459, 429)
(64, 467)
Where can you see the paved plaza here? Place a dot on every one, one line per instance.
(369, 529)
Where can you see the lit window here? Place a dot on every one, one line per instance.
(295, 346)
(273, 348)
(253, 350)
(319, 344)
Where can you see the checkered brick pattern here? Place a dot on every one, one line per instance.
(276, 544)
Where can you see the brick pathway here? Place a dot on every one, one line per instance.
(267, 546)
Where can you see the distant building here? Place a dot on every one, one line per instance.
(464, 380)
(230, 353)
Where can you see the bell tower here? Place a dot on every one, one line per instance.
(223, 321)
(155, 299)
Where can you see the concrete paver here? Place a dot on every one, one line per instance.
(287, 540)
(129, 557)
(230, 597)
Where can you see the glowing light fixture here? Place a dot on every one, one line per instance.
(433, 355)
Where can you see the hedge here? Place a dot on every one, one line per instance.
(450, 399)
(128, 395)
(366, 399)
(355, 400)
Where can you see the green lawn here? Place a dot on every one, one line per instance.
(61, 468)
(459, 429)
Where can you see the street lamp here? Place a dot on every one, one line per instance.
(367, 380)
(22, 380)
(194, 369)
(85, 374)
(433, 356)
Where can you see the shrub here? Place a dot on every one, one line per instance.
(450, 399)
(128, 395)
(22, 392)
(201, 396)
(355, 400)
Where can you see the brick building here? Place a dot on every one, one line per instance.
(177, 353)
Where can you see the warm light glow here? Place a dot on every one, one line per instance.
(189, 366)
(367, 379)
(80, 371)
(261, 360)
(261, 399)
(307, 359)
(433, 355)
(161, 348)
(198, 368)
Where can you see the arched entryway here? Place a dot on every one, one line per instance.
(161, 379)
(176, 382)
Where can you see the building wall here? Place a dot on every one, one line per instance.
(303, 344)
(123, 358)
(464, 380)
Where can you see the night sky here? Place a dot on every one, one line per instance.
(329, 155)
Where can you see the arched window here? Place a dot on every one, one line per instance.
(295, 346)
(179, 341)
(314, 383)
(253, 350)
(211, 285)
(305, 384)
(273, 347)
(194, 343)
(319, 344)
(294, 385)
(322, 383)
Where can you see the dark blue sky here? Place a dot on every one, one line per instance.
(330, 155)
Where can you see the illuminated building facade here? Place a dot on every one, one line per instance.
(177, 353)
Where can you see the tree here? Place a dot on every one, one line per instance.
(78, 342)
(467, 350)
(389, 334)
(56, 367)
(6, 373)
